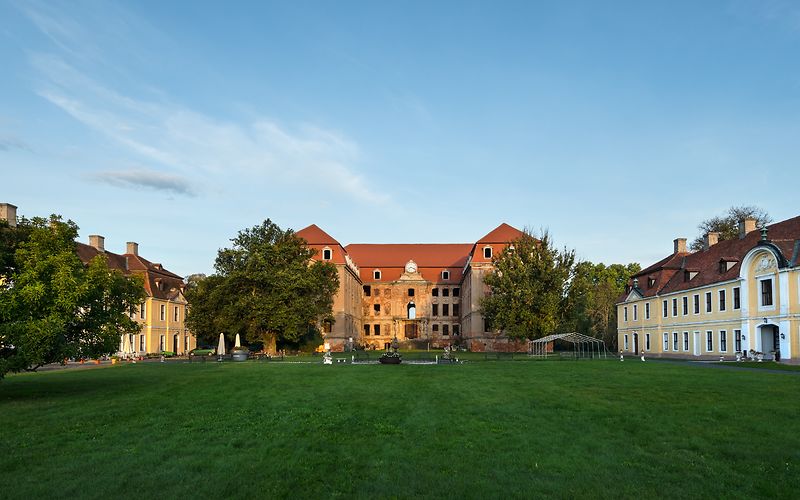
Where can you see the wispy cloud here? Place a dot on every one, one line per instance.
(145, 179)
(11, 143)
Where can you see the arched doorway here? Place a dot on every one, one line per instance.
(412, 310)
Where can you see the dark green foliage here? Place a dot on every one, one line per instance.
(264, 289)
(728, 225)
(52, 307)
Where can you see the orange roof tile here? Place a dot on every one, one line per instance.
(501, 234)
(316, 236)
(369, 256)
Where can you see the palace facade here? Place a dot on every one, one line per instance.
(428, 293)
(733, 296)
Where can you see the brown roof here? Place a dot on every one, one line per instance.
(501, 234)
(438, 255)
(316, 236)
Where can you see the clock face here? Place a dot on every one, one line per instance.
(411, 267)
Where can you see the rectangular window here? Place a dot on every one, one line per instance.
(435, 311)
(626, 341)
(456, 310)
(326, 254)
(723, 341)
(377, 309)
(186, 344)
(665, 308)
(666, 342)
(708, 302)
(143, 311)
(162, 343)
(709, 341)
(685, 341)
(445, 309)
(377, 329)
(674, 307)
(455, 330)
(445, 330)
(766, 292)
(141, 343)
(696, 301)
(647, 341)
(487, 252)
(445, 292)
(456, 291)
(176, 314)
(635, 312)
(376, 275)
(625, 313)
(435, 327)
(737, 340)
(685, 306)
(410, 292)
(722, 300)
(378, 292)
(445, 275)
(367, 290)
(674, 341)
(737, 298)
(435, 292)
(163, 312)
(647, 310)
(366, 330)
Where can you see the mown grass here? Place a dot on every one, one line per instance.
(558, 429)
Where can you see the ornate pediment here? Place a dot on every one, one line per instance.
(765, 263)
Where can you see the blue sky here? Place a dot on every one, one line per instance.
(618, 126)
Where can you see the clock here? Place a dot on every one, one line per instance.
(411, 267)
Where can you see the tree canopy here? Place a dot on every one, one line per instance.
(266, 288)
(727, 225)
(54, 307)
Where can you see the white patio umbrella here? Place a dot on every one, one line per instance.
(238, 342)
(127, 349)
(221, 345)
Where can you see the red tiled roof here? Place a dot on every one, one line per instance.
(316, 236)
(501, 234)
(370, 256)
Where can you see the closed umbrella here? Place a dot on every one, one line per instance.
(238, 342)
(221, 345)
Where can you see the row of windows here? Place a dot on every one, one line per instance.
(684, 303)
(369, 291)
(162, 312)
(677, 343)
(445, 329)
(162, 343)
(376, 275)
(445, 309)
(375, 329)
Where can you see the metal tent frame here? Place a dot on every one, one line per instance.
(583, 346)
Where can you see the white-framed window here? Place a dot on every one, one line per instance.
(722, 304)
(737, 340)
(708, 302)
(675, 341)
(162, 342)
(766, 295)
(141, 343)
(635, 312)
(487, 252)
(625, 313)
(163, 312)
(723, 341)
(737, 298)
(376, 274)
(685, 305)
(666, 341)
(186, 344)
(696, 303)
(665, 307)
(327, 253)
(176, 314)
(646, 341)
(675, 307)
(625, 338)
(685, 341)
(647, 310)
(709, 341)
(445, 275)
(143, 310)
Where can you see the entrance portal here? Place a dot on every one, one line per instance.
(770, 341)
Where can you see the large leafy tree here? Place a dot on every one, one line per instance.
(54, 307)
(727, 225)
(531, 293)
(265, 288)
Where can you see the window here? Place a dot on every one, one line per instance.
(696, 301)
(455, 330)
(723, 341)
(445, 309)
(647, 341)
(666, 342)
(377, 309)
(647, 310)
(141, 343)
(487, 252)
(456, 291)
(709, 341)
(445, 275)
(635, 312)
(445, 330)
(376, 275)
(456, 310)
(737, 298)
(737, 340)
(626, 341)
(685, 304)
(163, 312)
(445, 292)
(435, 311)
(327, 326)
(651, 282)
(674, 341)
(367, 290)
(377, 329)
(708, 302)
(143, 311)
(674, 307)
(186, 344)
(176, 314)
(722, 300)
(665, 308)
(410, 292)
(435, 292)
(162, 343)
(326, 254)
(366, 330)
(625, 313)
(435, 328)
(766, 292)
(685, 341)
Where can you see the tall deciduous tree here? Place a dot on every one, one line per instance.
(54, 307)
(728, 225)
(531, 293)
(265, 288)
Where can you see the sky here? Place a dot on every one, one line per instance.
(616, 126)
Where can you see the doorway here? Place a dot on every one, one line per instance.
(635, 343)
(696, 344)
(770, 341)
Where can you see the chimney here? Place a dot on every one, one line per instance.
(746, 226)
(680, 245)
(8, 212)
(97, 241)
(133, 248)
(710, 239)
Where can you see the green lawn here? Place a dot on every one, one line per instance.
(482, 429)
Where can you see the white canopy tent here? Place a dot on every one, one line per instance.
(583, 346)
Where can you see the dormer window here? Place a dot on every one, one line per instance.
(651, 282)
(689, 275)
(487, 252)
(445, 275)
(327, 253)
(376, 274)
(726, 265)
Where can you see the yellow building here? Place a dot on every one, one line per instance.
(732, 298)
